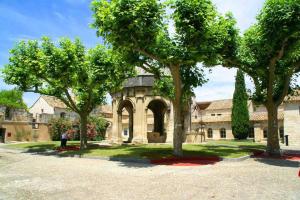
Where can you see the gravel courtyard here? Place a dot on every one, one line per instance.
(26, 176)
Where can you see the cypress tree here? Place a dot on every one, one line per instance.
(240, 114)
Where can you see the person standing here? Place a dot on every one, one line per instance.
(64, 139)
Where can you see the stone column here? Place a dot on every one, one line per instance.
(170, 125)
(116, 133)
(139, 121)
(257, 132)
(119, 138)
(146, 126)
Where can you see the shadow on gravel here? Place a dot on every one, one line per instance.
(279, 162)
(39, 148)
(135, 165)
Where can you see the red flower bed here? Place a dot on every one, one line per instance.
(68, 148)
(187, 161)
(285, 156)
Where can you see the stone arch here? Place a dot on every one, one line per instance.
(158, 108)
(123, 103)
(128, 105)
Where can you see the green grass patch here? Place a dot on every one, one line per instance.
(226, 149)
(238, 143)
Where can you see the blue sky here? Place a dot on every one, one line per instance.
(32, 19)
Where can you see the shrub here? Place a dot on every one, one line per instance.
(97, 128)
(59, 126)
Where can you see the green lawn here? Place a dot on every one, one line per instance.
(214, 148)
(238, 143)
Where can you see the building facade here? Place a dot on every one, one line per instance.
(139, 116)
(47, 107)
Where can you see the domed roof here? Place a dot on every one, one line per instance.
(140, 81)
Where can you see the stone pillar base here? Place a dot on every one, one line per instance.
(139, 140)
(116, 141)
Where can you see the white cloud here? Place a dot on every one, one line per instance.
(221, 80)
(244, 11)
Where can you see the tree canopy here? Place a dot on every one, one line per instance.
(80, 78)
(12, 99)
(270, 54)
(140, 31)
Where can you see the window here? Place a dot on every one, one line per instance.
(125, 132)
(213, 114)
(223, 133)
(62, 115)
(265, 132)
(195, 116)
(209, 133)
(219, 114)
(281, 132)
(42, 110)
(251, 132)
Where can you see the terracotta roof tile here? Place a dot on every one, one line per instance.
(263, 116)
(292, 98)
(54, 102)
(220, 104)
(104, 109)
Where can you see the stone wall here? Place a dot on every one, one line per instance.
(292, 123)
(23, 131)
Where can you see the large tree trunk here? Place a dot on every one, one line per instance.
(83, 131)
(273, 147)
(178, 112)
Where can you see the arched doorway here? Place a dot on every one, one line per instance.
(158, 108)
(125, 112)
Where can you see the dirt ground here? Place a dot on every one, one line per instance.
(27, 176)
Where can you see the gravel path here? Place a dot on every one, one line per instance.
(26, 176)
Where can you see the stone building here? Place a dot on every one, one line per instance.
(213, 120)
(16, 125)
(140, 115)
(47, 107)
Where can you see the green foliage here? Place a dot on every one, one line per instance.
(270, 53)
(66, 70)
(164, 87)
(12, 99)
(58, 127)
(240, 114)
(210, 37)
(139, 30)
(265, 45)
(100, 125)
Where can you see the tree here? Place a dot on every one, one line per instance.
(12, 99)
(138, 29)
(65, 70)
(270, 54)
(240, 113)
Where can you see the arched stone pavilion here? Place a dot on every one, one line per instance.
(148, 118)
